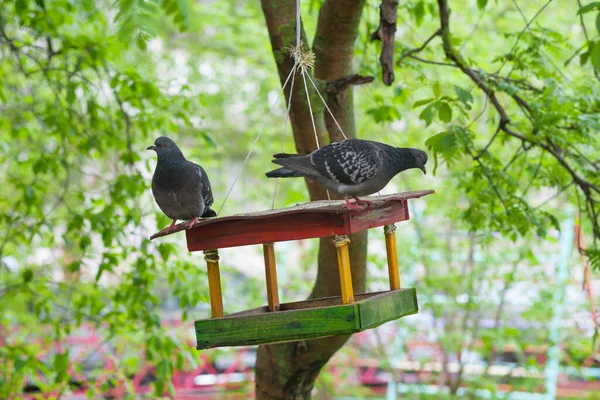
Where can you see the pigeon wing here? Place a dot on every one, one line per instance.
(205, 186)
(348, 162)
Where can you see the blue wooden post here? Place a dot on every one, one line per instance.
(567, 234)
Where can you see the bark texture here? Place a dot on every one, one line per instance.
(288, 370)
(388, 15)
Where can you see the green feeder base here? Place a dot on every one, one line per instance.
(308, 319)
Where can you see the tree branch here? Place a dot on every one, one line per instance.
(587, 187)
(414, 51)
(288, 370)
(388, 15)
(441, 64)
(453, 55)
(587, 38)
(339, 85)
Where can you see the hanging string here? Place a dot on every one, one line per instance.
(312, 118)
(285, 124)
(298, 28)
(303, 60)
(254, 143)
(327, 107)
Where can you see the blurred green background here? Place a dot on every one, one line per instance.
(91, 308)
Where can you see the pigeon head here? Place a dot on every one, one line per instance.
(165, 148)
(420, 159)
(408, 158)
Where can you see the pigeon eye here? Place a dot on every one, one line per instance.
(163, 145)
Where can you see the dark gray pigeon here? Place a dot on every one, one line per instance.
(180, 187)
(350, 168)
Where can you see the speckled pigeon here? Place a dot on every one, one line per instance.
(350, 168)
(180, 187)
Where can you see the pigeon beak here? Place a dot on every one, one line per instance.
(151, 148)
(423, 169)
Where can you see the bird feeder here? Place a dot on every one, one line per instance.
(309, 319)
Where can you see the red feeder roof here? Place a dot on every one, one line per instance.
(310, 220)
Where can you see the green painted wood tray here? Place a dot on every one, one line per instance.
(309, 319)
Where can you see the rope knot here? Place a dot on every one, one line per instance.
(211, 256)
(304, 58)
(341, 240)
(389, 229)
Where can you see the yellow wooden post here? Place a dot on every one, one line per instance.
(392, 255)
(341, 244)
(271, 274)
(214, 282)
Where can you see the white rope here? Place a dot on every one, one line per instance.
(327, 107)
(312, 119)
(298, 28)
(285, 124)
(254, 143)
(299, 61)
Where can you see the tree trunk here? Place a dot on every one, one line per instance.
(288, 370)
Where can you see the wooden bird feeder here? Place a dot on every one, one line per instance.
(309, 319)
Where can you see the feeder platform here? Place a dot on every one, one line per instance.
(309, 319)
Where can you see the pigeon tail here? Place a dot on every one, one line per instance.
(286, 155)
(208, 213)
(299, 163)
(283, 173)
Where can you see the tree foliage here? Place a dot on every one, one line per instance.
(504, 95)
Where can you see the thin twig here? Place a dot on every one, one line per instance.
(587, 38)
(420, 48)
(442, 64)
(522, 33)
(482, 152)
(558, 193)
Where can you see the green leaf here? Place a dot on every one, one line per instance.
(20, 362)
(593, 256)
(589, 7)
(464, 96)
(384, 113)
(40, 166)
(445, 112)
(595, 55)
(61, 363)
(427, 114)
(437, 89)
(444, 144)
(71, 97)
(75, 266)
(88, 5)
(419, 12)
(210, 140)
(420, 103)
(165, 249)
(481, 4)
(61, 360)
(29, 194)
(27, 275)
(101, 268)
(584, 57)
(85, 242)
(141, 42)
(598, 22)
(159, 387)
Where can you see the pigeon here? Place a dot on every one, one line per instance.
(180, 187)
(351, 167)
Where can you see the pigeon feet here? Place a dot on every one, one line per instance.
(352, 206)
(191, 223)
(361, 202)
(170, 227)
